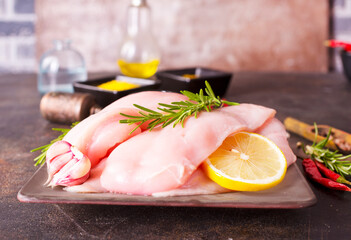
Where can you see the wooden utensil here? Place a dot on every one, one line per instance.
(339, 140)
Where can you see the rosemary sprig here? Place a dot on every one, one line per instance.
(334, 160)
(40, 160)
(177, 112)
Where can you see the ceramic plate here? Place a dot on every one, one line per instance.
(292, 192)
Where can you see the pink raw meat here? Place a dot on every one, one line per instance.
(164, 159)
(99, 134)
(275, 131)
(197, 184)
(163, 162)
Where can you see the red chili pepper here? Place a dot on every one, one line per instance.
(335, 43)
(330, 174)
(313, 173)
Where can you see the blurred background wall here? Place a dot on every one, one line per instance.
(241, 35)
(17, 36)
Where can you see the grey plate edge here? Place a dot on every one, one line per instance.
(28, 198)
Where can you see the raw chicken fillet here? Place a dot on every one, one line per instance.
(164, 161)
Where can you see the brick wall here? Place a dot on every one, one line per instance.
(17, 36)
(20, 48)
(240, 35)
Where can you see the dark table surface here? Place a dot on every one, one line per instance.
(324, 98)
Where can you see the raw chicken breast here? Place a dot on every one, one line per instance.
(99, 134)
(275, 131)
(148, 99)
(164, 159)
(197, 184)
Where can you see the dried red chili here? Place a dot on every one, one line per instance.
(312, 172)
(335, 43)
(330, 174)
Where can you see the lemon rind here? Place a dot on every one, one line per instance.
(241, 184)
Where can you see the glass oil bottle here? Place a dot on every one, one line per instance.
(139, 54)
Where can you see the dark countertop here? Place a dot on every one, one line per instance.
(324, 98)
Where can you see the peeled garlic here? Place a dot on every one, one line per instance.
(66, 165)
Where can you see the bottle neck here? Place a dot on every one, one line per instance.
(138, 18)
(62, 44)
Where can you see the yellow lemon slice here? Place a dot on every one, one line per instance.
(246, 162)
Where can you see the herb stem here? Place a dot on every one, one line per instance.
(331, 159)
(177, 112)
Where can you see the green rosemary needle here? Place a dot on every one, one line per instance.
(40, 160)
(334, 160)
(177, 112)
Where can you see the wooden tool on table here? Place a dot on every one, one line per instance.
(339, 140)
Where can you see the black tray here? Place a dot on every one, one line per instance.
(173, 80)
(105, 97)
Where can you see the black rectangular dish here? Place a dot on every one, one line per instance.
(193, 79)
(105, 97)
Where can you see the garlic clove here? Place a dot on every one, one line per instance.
(56, 149)
(81, 167)
(68, 182)
(74, 172)
(67, 166)
(58, 162)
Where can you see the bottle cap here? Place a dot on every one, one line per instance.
(139, 3)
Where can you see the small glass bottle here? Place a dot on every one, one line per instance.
(60, 67)
(139, 54)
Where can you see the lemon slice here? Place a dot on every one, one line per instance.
(246, 162)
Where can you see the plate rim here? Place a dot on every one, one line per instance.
(138, 201)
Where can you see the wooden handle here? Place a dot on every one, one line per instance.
(298, 127)
(305, 131)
